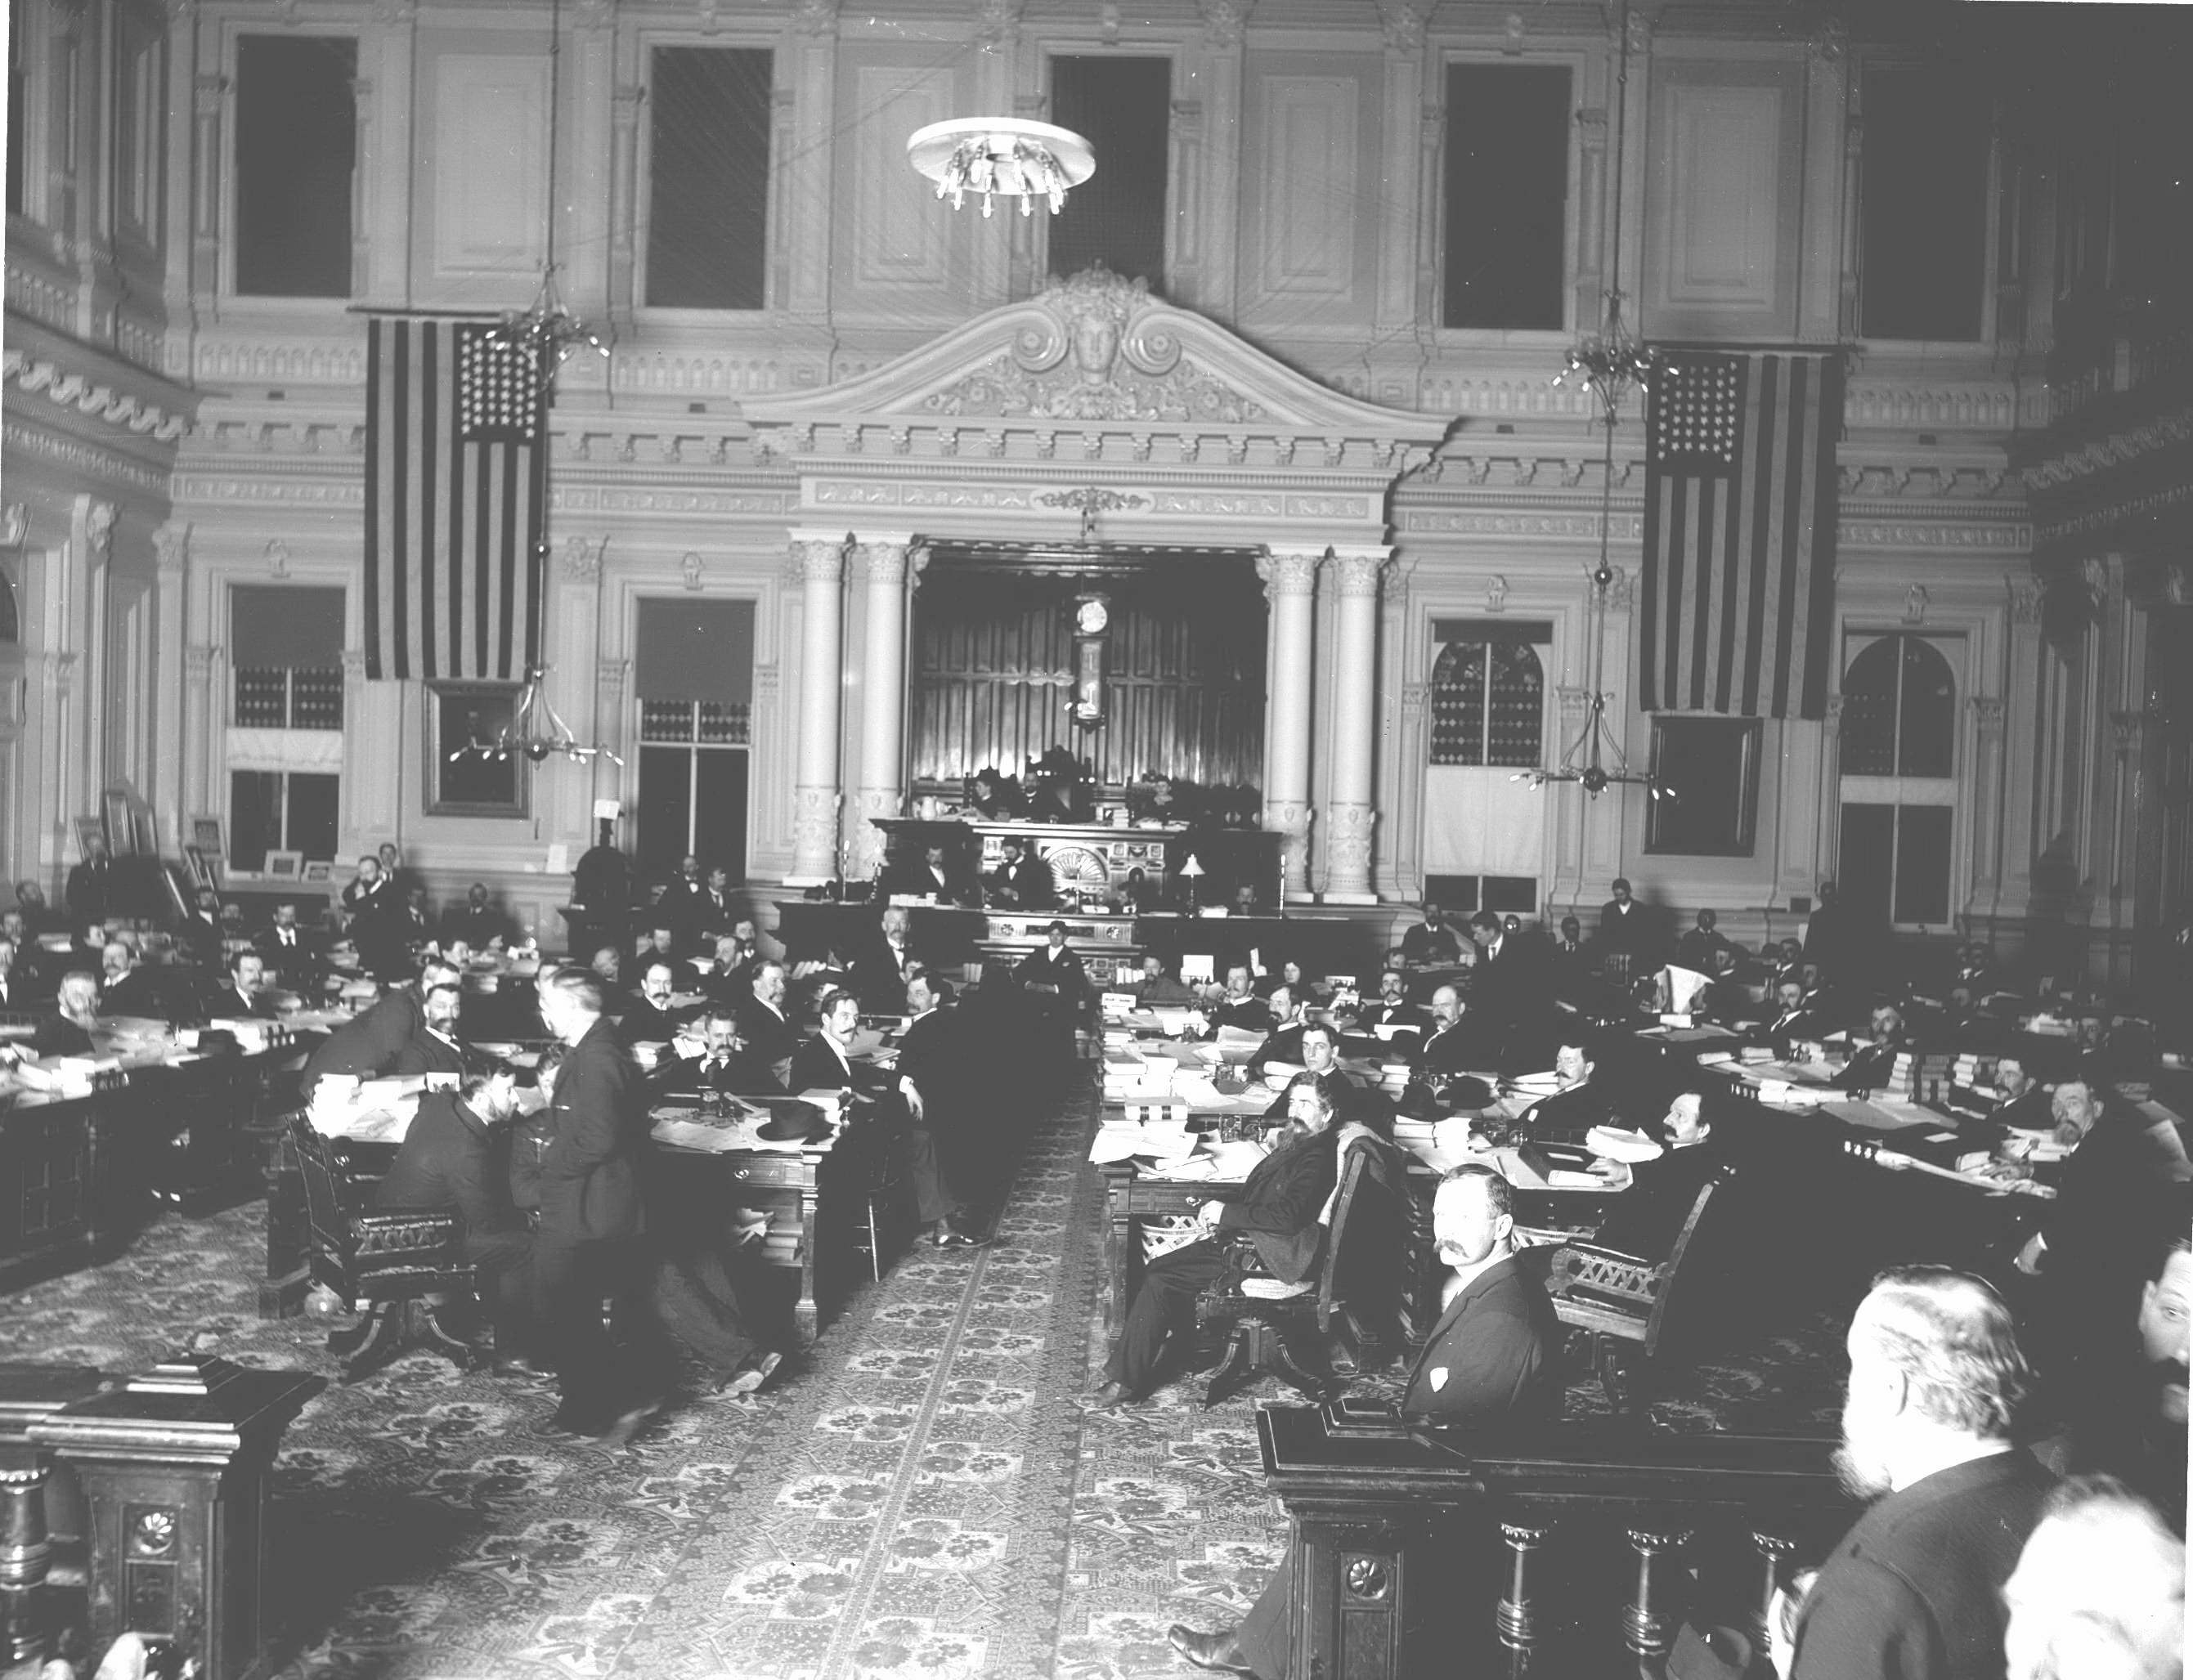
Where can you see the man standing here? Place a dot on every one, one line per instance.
(456, 1154)
(1915, 1588)
(1493, 1357)
(590, 1215)
(1277, 1207)
(90, 883)
(928, 1059)
(1055, 974)
(1623, 942)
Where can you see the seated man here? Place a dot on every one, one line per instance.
(433, 1055)
(2098, 1593)
(1319, 1053)
(1916, 1587)
(825, 1062)
(68, 1032)
(1022, 880)
(727, 1064)
(1647, 1217)
(1493, 1357)
(1283, 1043)
(651, 1018)
(1055, 972)
(241, 997)
(769, 1034)
(1158, 985)
(1793, 1023)
(1391, 1009)
(1460, 1041)
(2024, 1102)
(1873, 1066)
(477, 923)
(1574, 1109)
(927, 874)
(366, 1047)
(292, 955)
(1432, 943)
(662, 946)
(1697, 948)
(1238, 1004)
(1277, 1207)
(455, 1153)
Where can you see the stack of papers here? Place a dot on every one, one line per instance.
(1177, 1022)
(1618, 1143)
(363, 1109)
(718, 1134)
(1781, 1094)
(1167, 1143)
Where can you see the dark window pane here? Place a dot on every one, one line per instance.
(1516, 895)
(315, 700)
(1459, 705)
(1927, 728)
(1922, 863)
(1517, 706)
(707, 224)
(290, 625)
(1452, 892)
(312, 801)
(1868, 845)
(255, 817)
(1868, 732)
(1123, 107)
(297, 140)
(262, 699)
(1506, 194)
(1708, 767)
(721, 725)
(666, 720)
(666, 807)
(1924, 202)
(719, 815)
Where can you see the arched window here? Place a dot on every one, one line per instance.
(1900, 711)
(1488, 703)
(1899, 795)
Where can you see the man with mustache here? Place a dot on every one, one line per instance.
(1915, 1590)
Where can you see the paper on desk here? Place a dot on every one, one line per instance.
(1158, 1141)
(1234, 1161)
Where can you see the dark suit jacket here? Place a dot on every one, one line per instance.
(90, 884)
(2113, 1184)
(2030, 1112)
(1785, 1033)
(426, 1054)
(1871, 1067)
(1282, 1043)
(1408, 1016)
(1250, 1013)
(477, 929)
(1471, 1045)
(589, 1186)
(450, 1158)
(228, 1003)
(816, 1067)
(57, 1036)
(1915, 1590)
(745, 1075)
(1425, 945)
(1569, 1114)
(1494, 1354)
(1062, 968)
(369, 1045)
(931, 1054)
(1646, 1218)
(642, 1023)
(768, 1034)
(1279, 1203)
(299, 965)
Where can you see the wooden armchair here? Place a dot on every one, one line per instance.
(400, 1271)
(1354, 1303)
(1621, 1300)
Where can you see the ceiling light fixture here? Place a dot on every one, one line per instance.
(1001, 156)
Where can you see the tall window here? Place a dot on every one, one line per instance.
(1123, 107)
(285, 740)
(1483, 831)
(694, 673)
(1507, 195)
(1922, 249)
(1899, 787)
(707, 226)
(297, 144)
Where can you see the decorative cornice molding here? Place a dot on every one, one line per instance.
(124, 410)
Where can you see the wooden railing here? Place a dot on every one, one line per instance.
(1574, 1552)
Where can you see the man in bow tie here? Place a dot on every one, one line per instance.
(290, 953)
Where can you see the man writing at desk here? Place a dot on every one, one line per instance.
(1493, 1357)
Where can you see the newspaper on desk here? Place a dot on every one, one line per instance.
(365, 1111)
(718, 1133)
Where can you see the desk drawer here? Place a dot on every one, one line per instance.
(783, 1171)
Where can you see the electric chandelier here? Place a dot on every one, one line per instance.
(1010, 156)
(526, 737)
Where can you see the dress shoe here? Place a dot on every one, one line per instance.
(754, 1376)
(519, 1366)
(1220, 1652)
(627, 1424)
(1111, 1397)
(947, 1237)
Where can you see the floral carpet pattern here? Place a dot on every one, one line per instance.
(924, 1498)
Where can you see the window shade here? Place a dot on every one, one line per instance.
(1537, 631)
(285, 628)
(695, 650)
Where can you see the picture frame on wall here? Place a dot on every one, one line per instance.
(319, 871)
(285, 865)
(87, 829)
(205, 835)
(145, 829)
(121, 833)
(461, 780)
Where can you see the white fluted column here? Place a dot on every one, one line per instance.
(1290, 578)
(1349, 816)
(819, 562)
(881, 790)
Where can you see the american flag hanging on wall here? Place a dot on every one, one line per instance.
(1736, 608)
(455, 459)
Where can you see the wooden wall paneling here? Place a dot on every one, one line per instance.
(895, 246)
(1314, 180)
(1726, 194)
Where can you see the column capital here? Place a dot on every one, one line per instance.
(1223, 21)
(1987, 712)
(611, 674)
(1289, 571)
(98, 518)
(2024, 600)
(818, 559)
(171, 545)
(881, 558)
(1359, 571)
(198, 660)
(582, 558)
(353, 663)
(1832, 721)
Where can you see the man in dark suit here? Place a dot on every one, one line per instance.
(711, 911)
(367, 1045)
(649, 1017)
(1277, 1209)
(17, 990)
(1512, 989)
(2024, 1099)
(478, 923)
(1576, 1107)
(1055, 973)
(1698, 948)
(91, 884)
(662, 947)
(825, 1061)
(1492, 1358)
(1646, 1218)
(433, 1056)
(1461, 1040)
(456, 1154)
(931, 1066)
(928, 875)
(1624, 936)
(679, 902)
(291, 954)
(590, 1215)
(1239, 1006)
(880, 968)
(1793, 1023)
(1916, 1587)
(1872, 1066)
(1284, 1042)
(727, 1066)
(1432, 943)
(1320, 1055)
(241, 998)
(762, 1022)
(1022, 880)
(1392, 1008)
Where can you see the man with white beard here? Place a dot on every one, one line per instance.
(1915, 1590)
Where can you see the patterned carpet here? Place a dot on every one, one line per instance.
(924, 1499)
